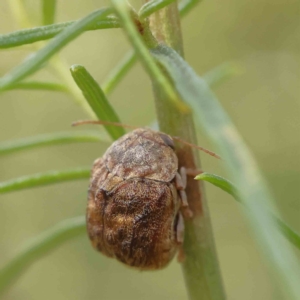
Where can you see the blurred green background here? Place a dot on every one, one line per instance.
(263, 37)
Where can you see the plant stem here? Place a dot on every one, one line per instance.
(200, 268)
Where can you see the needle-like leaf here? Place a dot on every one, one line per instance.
(43, 140)
(122, 10)
(42, 179)
(97, 100)
(42, 33)
(33, 63)
(38, 85)
(152, 6)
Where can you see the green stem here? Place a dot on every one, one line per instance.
(200, 268)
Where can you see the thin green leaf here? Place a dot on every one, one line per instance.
(37, 85)
(142, 52)
(48, 11)
(127, 63)
(186, 6)
(221, 73)
(97, 100)
(42, 179)
(39, 247)
(115, 76)
(42, 33)
(240, 163)
(42, 140)
(228, 187)
(152, 6)
(220, 182)
(33, 63)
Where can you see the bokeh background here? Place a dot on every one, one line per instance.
(262, 36)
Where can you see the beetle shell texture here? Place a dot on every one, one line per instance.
(133, 203)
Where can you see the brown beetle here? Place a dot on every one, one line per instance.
(134, 199)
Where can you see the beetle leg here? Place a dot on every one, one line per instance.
(179, 238)
(180, 229)
(180, 183)
(183, 175)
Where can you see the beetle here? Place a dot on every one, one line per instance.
(134, 200)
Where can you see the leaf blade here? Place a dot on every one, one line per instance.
(122, 10)
(43, 140)
(33, 63)
(38, 85)
(152, 6)
(97, 100)
(42, 179)
(42, 33)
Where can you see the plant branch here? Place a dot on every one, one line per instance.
(200, 268)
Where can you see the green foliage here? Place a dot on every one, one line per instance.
(33, 63)
(42, 179)
(42, 33)
(36, 85)
(43, 140)
(152, 6)
(185, 90)
(97, 100)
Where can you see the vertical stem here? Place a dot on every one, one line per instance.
(200, 268)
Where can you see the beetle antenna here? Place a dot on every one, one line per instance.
(101, 122)
(197, 147)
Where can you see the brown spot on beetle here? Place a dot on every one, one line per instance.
(136, 199)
